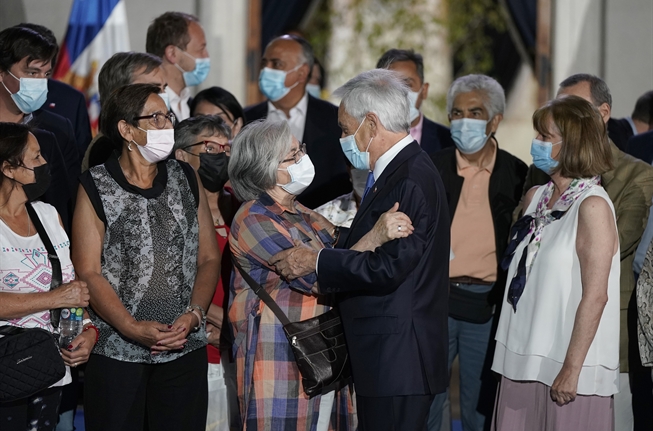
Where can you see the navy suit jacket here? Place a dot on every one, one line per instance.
(435, 137)
(70, 103)
(63, 131)
(394, 301)
(58, 194)
(641, 146)
(620, 131)
(321, 136)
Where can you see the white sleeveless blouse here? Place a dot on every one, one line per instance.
(532, 342)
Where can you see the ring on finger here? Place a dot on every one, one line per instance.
(399, 228)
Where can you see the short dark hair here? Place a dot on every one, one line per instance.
(13, 143)
(221, 98)
(125, 103)
(45, 32)
(585, 150)
(307, 50)
(120, 68)
(643, 108)
(171, 28)
(187, 131)
(394, 55)
(17, 43)
(598, 88)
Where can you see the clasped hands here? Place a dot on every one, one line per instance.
(159, 337)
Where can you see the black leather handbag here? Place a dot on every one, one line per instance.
(29, 357)
(317, 343)
(29, 362)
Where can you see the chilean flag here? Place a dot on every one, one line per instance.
(97, 29)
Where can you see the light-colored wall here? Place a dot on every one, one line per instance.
(626, 61)
(224, 22)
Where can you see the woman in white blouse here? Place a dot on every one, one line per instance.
(25, 271)
(558, 336)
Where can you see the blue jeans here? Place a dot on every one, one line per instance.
(470, 341)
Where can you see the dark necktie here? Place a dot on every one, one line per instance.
(368, 184)
(518, 232)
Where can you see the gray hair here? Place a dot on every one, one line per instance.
(599, 90)
(255, 156)
(187, 131)
(381, 92)
(494, 98)
(120, 68)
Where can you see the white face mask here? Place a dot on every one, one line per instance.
(159, 144)
(359, 180)
(412, 101)
(301, 175)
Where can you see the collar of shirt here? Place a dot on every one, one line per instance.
(389, 155)
(462, 163)
(297, 118)
(416, 132)
(27, 118)
(179, 103)
(632, 125)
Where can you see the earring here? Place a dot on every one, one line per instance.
(129, 145)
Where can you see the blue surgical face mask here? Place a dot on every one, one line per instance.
(199, 73)
(272, 83)
(314, 90)
(412, 101)
(541, 152)
(469, 135)
(32, 93)
(166, 99)
(359, 159)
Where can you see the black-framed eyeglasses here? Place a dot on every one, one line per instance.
(159, 119)
(297, 155)
(211, 147)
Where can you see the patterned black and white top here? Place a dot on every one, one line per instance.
(149, 255)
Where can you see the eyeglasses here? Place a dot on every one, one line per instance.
(158, 119)
(212, 147)
(297, 155)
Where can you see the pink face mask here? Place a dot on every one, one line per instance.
(159, 144)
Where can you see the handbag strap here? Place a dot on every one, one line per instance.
(261, 293)
(57, 277)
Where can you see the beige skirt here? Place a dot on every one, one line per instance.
(527, 406)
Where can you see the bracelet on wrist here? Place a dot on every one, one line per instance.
(199, 312)
(93, 327)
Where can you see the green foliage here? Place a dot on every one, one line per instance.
(379, 25)
(468, 24)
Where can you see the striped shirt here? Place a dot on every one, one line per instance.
(270, 392)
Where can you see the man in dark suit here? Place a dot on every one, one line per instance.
(641, 146)
(65, 100)
(393, 301)
(312, 121)
(25, 53)
(432, 136)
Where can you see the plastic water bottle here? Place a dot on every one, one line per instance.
(70, 325)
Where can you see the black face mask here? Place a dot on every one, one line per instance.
(213, 171)
(35, 190)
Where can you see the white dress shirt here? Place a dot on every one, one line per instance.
(297, 120)
(179, 103)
